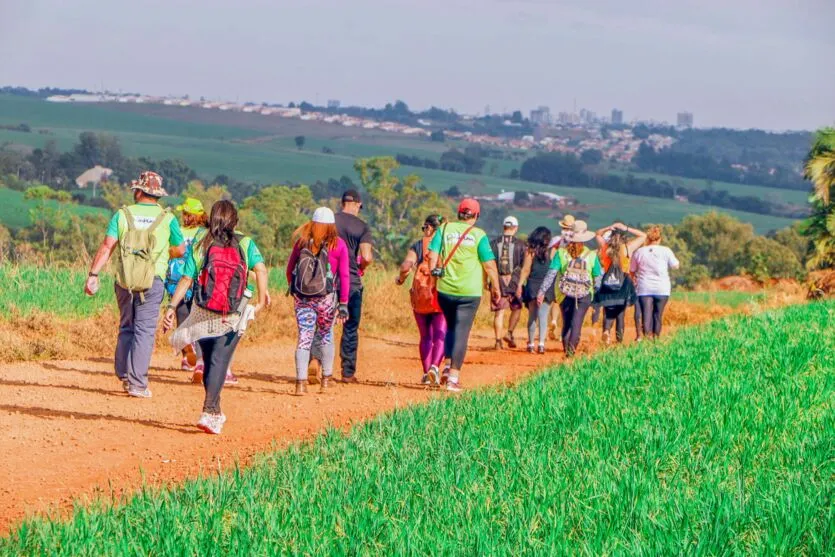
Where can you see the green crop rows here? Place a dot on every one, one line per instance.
(719, 441)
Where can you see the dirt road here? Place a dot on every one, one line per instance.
(69, 432)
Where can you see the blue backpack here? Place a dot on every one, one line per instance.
(175, 273)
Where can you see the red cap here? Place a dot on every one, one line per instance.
(470, 206)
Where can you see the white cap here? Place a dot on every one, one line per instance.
(323, 215)
(511, 222)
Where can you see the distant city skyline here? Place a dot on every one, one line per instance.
(747, 63)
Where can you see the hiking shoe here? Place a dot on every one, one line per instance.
(508, 339)
(434, 375)
(230, 378)
(531, 349)
(351, 379)
(541, 349)
(301, 388)
(326, 382)
(499, 344)
(454, 386)
(211, 423)
(313, 369)
(139, 393)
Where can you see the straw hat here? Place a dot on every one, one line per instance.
(567, 222)
(580, 232)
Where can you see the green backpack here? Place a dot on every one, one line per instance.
(136, 266)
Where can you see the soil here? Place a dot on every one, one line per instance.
(71, 434)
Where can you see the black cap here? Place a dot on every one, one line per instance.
(351, 196)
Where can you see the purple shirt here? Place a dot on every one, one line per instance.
(340, 267)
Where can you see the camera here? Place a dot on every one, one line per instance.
(438, 272)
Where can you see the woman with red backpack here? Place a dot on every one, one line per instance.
(424, 294)
(220, 263)
(318, 273)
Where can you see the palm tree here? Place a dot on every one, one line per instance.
(820, 226)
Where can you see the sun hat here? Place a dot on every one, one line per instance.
(149, 183)
(323, 215)
(567, 222)
(469, 205)
(192, 206)
(511, 222)
(580, 233)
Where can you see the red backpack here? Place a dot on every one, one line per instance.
(222, 281)
(424, 292)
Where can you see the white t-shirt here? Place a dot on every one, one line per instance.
(651, 266)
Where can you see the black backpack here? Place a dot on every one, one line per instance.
(613, 279)
(312, 276)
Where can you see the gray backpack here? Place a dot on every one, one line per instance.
(576, 279)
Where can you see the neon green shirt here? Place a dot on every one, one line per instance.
(463, 275)
(166, 234)
(562, 260)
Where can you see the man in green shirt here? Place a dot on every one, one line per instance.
(461, 254)
(139, 311)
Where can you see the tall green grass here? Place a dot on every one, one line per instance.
(731, 299)
(720, 441)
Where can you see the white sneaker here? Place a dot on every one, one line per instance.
(211, 423)
(454, 386)
(139, 393)
(433, 375)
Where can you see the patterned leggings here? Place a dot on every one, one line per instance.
(315, 317)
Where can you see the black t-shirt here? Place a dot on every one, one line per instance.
(354, 231)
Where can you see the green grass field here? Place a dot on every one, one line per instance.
(216, 146)
(721, 298)
(14, 209)
(719, 441)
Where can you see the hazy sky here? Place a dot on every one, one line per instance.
(739, 63)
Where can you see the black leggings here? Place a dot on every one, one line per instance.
(217, 354)
(573, 313)
(652, 311)
(615, 315)
(459, 312)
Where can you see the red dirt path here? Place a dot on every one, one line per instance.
(70, 433)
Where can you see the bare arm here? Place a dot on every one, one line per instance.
(638, 241)
(104, 252)
(492, 273)
(177, 251)
(407, 266)
(598, 236)
(526, 271)
(261, 276)
(183, 286)
(433, 260)
(366, 255)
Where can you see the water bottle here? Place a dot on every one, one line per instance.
(244, 301)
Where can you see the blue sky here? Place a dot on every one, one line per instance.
(738, 63)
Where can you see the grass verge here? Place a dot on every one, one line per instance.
(720, 440)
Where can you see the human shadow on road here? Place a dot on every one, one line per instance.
(51, 413)
(13, 383)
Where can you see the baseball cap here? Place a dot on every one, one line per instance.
(351, 196)
(469, 205)
(192, 206)
(511, 222)
(323, 215)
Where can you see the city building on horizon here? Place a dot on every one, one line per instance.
(541, 116)
(334, 104)
(684, 120)
(617, 117)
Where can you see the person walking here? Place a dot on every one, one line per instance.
(617, 290)
(509, 252)
(566, 225)
(194, 221)
(318, 273)
(579, 266)
(534, 269)
(651, 266)
(460, 256)
(219, 264)
(357, 236)
(424, 297)
(147, 236)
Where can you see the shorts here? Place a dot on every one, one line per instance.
(512, 302)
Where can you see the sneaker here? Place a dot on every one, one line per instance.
(211, 423)
(125, 385)
(425, 380)
(508, 339)
(139, 393)
(197, 376)
(530, 349)
(434, 375)
(301, 388)
(326, 382)
(351, 379)
(454, 386)
(230, 378)
(445, 376)
(185, 365)
(541, 349)
(499, 344)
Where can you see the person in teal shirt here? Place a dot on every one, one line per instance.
(579, 267)
(139, 311)
(461, 253)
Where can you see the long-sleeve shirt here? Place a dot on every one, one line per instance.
(340, 267)
(561, 261)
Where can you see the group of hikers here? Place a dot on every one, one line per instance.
(210, 273)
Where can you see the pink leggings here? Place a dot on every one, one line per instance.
(432, 327)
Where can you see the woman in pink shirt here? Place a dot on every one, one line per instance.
(320, 291)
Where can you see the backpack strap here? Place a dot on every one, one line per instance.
(458, 244)
(161, 217)
(128, 218)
